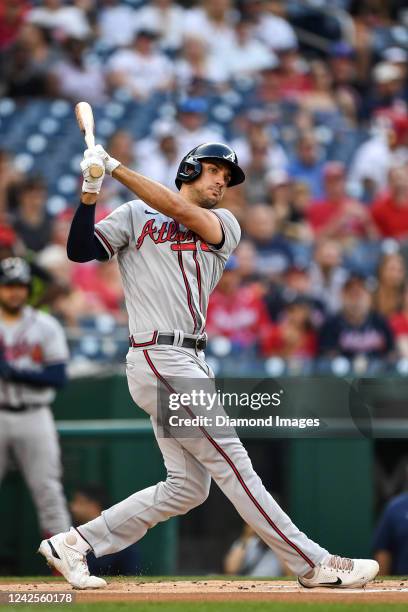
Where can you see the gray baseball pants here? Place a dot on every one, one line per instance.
(32, 438)
(190, 464)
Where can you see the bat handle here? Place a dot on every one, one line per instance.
(95, 171)
(90, 140)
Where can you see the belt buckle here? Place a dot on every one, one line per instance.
(201, 342)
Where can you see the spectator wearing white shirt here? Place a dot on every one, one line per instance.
(164, 17)
(141, 69)
(159, 155)
(375, 157)
(248, 55)
(271, 26)
(55, 16)
(198, 64)
(115, 24)
(370, 166)
(398, 57)
(77, 76)
(327, 276)
(254, 127)
(249, 556)
(213, 21)
(192, 129)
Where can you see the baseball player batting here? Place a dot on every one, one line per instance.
(172, 249)
(33, 354)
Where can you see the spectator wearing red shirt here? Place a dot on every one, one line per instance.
(390, 209)
(102, 286)
(293, 336)
(12, 14)
(337, 215)
(293, 79)
(236, 312)
(8, 241)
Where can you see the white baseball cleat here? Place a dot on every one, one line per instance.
(69, 562)
(340, 572)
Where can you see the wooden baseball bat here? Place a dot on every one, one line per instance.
(85, 118)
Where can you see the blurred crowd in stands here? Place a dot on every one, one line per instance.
(313, 97)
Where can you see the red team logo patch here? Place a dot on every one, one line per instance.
(22, 349)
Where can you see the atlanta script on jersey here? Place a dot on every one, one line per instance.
(163, 263)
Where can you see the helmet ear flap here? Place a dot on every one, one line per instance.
(189, 170)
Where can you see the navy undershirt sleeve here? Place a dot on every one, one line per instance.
(82, 243)
(50, 376)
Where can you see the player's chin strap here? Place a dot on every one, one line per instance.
(178, 337)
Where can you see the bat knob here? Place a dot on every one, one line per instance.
(96, 171)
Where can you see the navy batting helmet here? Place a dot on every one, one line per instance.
(15, 271)
(190, 166)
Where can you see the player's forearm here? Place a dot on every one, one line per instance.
(89, 198)
(82, 244)
(235, 557)
(153, 193)
(50, 376)
(202, 222)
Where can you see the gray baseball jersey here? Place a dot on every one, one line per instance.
(168, 272)
(36, 340)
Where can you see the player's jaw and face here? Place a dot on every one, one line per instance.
(209, 188)
(13, 298)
